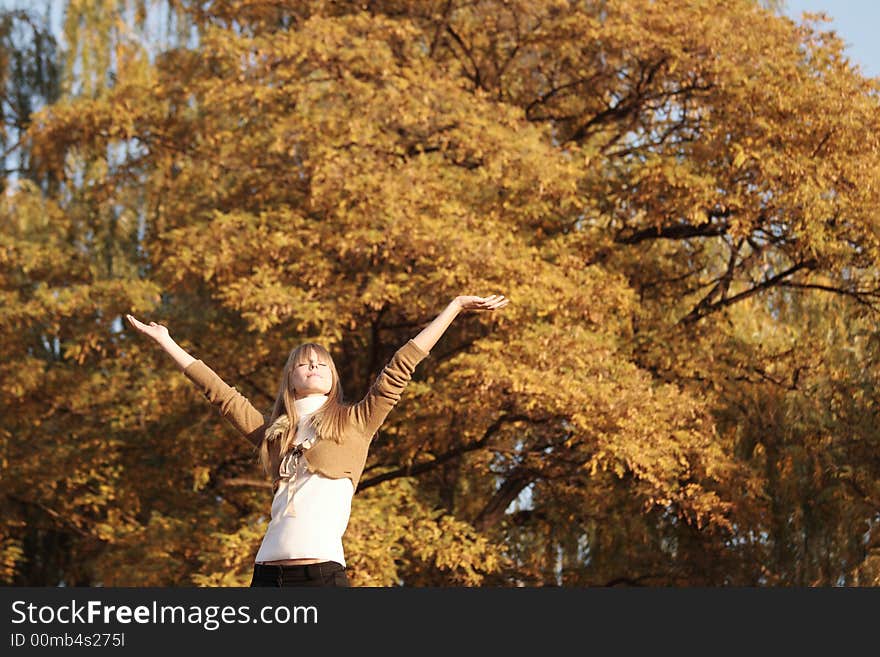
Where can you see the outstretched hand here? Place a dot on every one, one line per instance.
(471, 303)
(153, 330)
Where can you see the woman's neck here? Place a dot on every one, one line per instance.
(309, 404)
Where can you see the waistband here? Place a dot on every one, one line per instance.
(320, 569)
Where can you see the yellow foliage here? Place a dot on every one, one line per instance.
(651, 184)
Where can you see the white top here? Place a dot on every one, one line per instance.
(310, 512)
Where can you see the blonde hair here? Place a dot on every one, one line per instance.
(329, 421)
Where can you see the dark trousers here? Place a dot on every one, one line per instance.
(325, 573)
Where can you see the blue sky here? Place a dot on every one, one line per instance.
(856, 23)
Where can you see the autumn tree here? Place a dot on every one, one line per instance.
(677, 198)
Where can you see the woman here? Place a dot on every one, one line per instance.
(312, 445)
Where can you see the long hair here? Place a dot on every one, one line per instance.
(329, 421)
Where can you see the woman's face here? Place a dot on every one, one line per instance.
(311, 375)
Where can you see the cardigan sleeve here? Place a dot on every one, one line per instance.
(232, 404)
(386, 390)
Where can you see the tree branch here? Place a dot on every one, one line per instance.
(494, 510)
(701, 311)
(476, 75)
(419, 468)
(675, 232)
(858, 295)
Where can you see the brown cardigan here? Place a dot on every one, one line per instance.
(329, 458)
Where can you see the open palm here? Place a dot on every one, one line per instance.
(153, 330)
(493, 302)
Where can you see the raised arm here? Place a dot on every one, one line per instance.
(386, 390)
(160, 334)
(232, 405)
(432, 332)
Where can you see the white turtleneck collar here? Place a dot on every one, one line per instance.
(310, 404)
